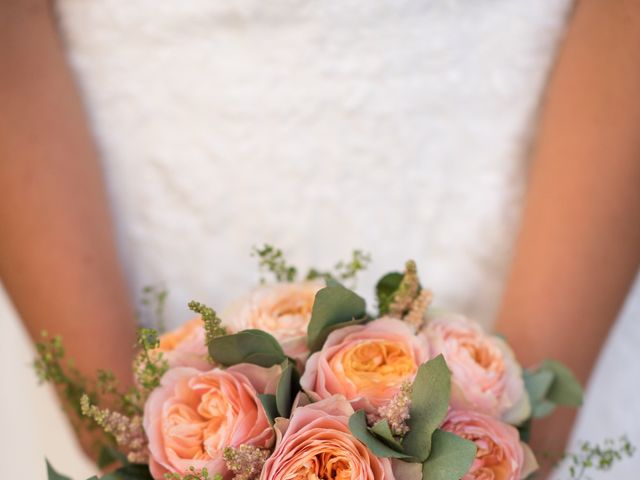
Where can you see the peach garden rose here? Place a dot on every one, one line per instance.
(501, 455)
(281, 309)
(485, 375)
(185, 346)
(368, 364)
(193, 416)
(316, 443)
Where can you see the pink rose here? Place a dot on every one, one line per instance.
(281, 309)
(185, 346)
(193, 416)
(366, 363)
(501, 455)
(485, 374)
(317, 443)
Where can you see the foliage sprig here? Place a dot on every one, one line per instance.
(271, 259)
(154, 303)
(407, 291)
(80, 392)
(599, 457)
(344, 271)
(246, 461)
(193, 474)
(150, 365)
(50, 366)
(212, 322)
(127, 431)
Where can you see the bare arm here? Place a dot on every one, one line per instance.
(58, 260)
(579, 247)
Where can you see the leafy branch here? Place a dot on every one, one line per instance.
(271, 259)
(149, 365)
(154, 303)
(212, 322)
(193, 475)
(344, 271)
(80, 392)
(50, 366)
(599, 457)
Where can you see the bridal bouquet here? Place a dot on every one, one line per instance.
(299, 380)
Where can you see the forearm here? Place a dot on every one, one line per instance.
(579, 246)
(57, 255)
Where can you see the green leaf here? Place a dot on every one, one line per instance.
(524, 429)
(451, 457)
(542, 408)
(550, 385)
(325, 333)
(537, 384)
(565, 389)
(334, 306)
(248, 346)
(385, 289)
(430, 396)
(382, 430)
(53, 475)
(359, 429)
(332, 282)
(135, 471)
(288, 388)
(109, 455)
(268, 401)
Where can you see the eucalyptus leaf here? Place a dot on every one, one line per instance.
(334, 306)
(330, 281)
(359, 429)
(135, 471)
(565, 389)
(524, 429)
(270, 405)
(109, 455)
(382, 430)
(550, 385)
(248, 346)
(430, 397)
(327, 330)
(537, 384)
(53, 475)
(288, 388)
(451, 457)
(385, 289)
(542, 408)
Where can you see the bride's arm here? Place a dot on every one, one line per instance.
(58, 260)
(579, 246)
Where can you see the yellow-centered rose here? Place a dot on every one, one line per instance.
(366, 363)
(281, 309)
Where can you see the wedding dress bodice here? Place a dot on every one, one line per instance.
(397, 127)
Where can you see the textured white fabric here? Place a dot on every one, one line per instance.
(399, 127)
(396, 126)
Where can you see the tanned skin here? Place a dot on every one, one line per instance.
(58, 258)
(579, 246)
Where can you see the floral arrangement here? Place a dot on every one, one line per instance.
(298, 380)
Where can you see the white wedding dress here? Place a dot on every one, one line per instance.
(400, 127)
